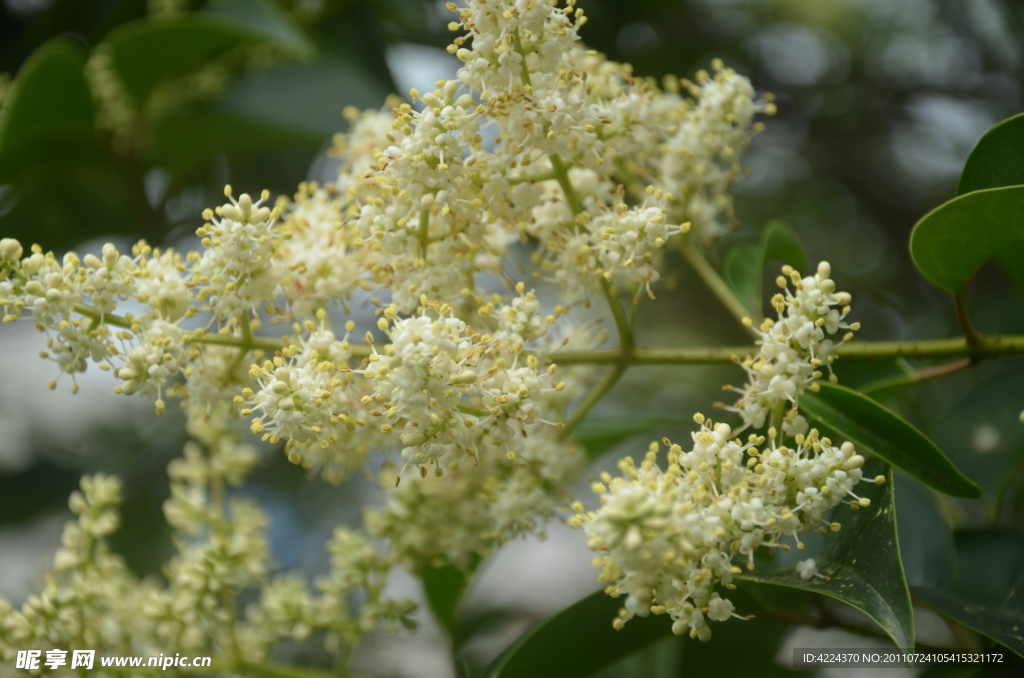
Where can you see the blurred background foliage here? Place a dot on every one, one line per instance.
(125, 118)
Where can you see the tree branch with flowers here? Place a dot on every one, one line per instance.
(475, 392)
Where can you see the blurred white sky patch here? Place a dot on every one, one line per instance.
(538, 576)
(26, 8)
(33, 417)
(801, 56)
(419, 66)
(526, 580)
(407, 654)
(26, 551)
(930, 147)
(806, 637)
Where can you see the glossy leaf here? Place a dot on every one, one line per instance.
(744, 265)
(997, 160)
(1001, 625)
(316, 93)
(48, 105)
(759, 637)
(264, 18)
(59, 187)
(982, 432)
(578, 641)
(781, 242)
(742, 268)
(926, 537)
(954, 240)
(861, 562)
(844, 414)
(584, 631)
(147, 52)
(874, 377)
(443, 587)
(182, 142)
(988, 596)
(598, 436)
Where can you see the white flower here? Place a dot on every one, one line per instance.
(676, 531)
(322, 256)
(807, 569)
(794, 348)
(160, 281)
(236, 271)
(444, 387)
(157, 356)
(310, 397)
(478, 502)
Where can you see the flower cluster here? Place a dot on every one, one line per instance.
(447, 388)
(309, 396)
(87, 583)
(794, 349)
(92, 600)
(287, 608)
(540, 159)
(513, 486)
(668, 537)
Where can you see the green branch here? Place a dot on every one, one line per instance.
(622, 324)
(594, 397)
(532, 178)
(424, 233)
(105, 318)
(960, 307)
(261, 343)
(718, 286)
(988, 347)
(524, 68)
(561, 174)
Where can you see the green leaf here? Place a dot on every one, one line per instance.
(744, 265)
(578, 641)
(146, 52)
(781, 242)
(955, 239)
(997, 160)
(988, 597)
(594, 646)
(598, 436)
(1003, 626)
(988, 564)
(48, 105)
(842, 413)
(926, 538)
(316, 93)
(880, 389)
(983, 434)
(266, 19)
(759, 637)
(183, 142)
(59, 204)
(443, 587)
(742, 270)
(861, 561)
(60, 186)
(874, 377)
